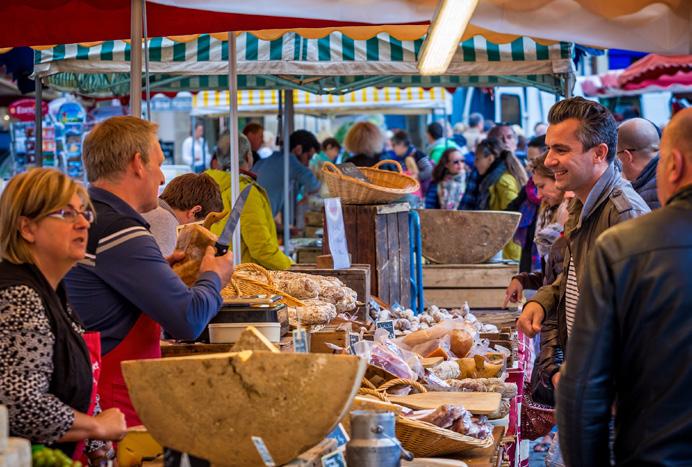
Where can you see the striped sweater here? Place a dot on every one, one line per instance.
(124, 274)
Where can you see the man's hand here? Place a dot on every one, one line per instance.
(531, 318)
(176, 257)
(555, 379)
(221, 265)
(514, 292)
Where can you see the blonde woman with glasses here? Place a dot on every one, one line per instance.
(46, 378)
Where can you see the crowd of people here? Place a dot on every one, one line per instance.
(613, 293)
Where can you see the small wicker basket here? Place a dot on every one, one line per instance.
(384, 186)
(424, 439)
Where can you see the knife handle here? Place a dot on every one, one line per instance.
(221, 249)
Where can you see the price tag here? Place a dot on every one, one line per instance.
(388, 326)
(335, 459)
(340, 435)
(263, 451)
(374, 305)
(300, 340)
(353, 338)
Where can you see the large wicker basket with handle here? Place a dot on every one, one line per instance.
(424, 439)
(253, 279)
(383, 186)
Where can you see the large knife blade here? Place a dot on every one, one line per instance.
(225, 238)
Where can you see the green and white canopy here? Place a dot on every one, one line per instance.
(334, 64)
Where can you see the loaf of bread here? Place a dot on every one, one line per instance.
(460, 342)
(300, 286)
(193, 239)
(314, 312)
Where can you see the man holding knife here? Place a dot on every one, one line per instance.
(124, 288)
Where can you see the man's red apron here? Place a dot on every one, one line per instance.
(93, 344)
(141, 343)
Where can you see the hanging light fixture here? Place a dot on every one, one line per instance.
(444, 34)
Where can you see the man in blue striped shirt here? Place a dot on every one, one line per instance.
(124, 288)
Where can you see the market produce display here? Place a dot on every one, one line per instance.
(455, 418)
(322, 298)
(45, 457)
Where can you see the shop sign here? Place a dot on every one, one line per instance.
(160, 103)
(23, 110)
(182, 102)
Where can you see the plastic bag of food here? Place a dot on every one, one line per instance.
(383, 353)
(453, 335)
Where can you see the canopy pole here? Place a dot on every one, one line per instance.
(287, 126)
(38, 122)
(233, 133)
(147, 83)
(136, 57)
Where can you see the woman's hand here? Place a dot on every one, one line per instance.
(110, 425)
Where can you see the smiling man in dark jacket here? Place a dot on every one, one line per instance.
(630, 344)
(581, 138)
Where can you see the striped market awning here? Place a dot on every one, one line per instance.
(410, 100)
(333, 64)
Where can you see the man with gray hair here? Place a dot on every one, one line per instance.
(124, 288)
(638, 142)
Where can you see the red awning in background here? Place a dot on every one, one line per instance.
(656, 70)
(46, 22)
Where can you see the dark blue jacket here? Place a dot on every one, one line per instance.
(124, 274)
(645, 184)
(432, 201)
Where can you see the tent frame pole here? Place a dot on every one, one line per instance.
(233, 133)
(287, 128)
(136, 57)
(38, 123)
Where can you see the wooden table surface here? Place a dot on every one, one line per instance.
(484, 457)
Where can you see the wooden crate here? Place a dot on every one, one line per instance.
(481, 285)
(312, 231)
(307, 254)
(378, 235)
(314, 218)
(320, 339)
(357, 277)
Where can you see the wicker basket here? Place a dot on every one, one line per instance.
(242, 285)
(424, 439)
(384, 187)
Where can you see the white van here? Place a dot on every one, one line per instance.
(515, 105)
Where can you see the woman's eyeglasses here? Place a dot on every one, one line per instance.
(457, 161)
(71, 214)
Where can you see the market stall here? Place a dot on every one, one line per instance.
(334, 64)
(392, 100)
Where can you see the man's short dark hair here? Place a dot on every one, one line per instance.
(435, 130)
(597, 123)
(189, 190)
(401, 137)
(330, 143)
(538, 142)
(475, 119)
(305, 139)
